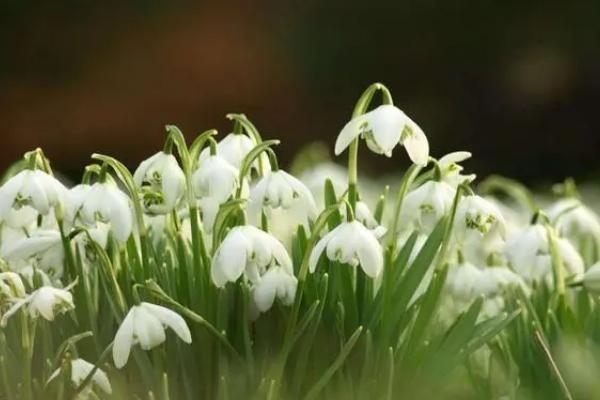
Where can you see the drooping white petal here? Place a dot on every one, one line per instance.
(147, 329)
(415, 142)
(123, 340)
(171, 319)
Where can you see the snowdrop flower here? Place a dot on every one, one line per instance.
(234, 147)
(249, 251)
(275, 283)
(278, 189)
(350, 243)
(383, 128)
(528, 253)
(451, 170)
(479, 227)
(31, 190)
(46, 301)
(214, 182)
(464, 282)
(495, 280)
(427, 204)
(104, 202)
(80, 369)
(574, 220)
(43, 247)
(161, 181)
(145, 325)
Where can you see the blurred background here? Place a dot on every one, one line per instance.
(516, 83)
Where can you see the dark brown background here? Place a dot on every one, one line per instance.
(515, 82)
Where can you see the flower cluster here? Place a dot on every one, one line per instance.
(221, 238)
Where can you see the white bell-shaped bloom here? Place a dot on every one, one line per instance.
(350, 243)
(451, 169)
(145, 324)
(383, 128)
(495, 280)
(528, 253)
(479, 227)
(591, 279)
(31, 190)
(364, 216)
(574, 220)
(464, 282)
(104, 202)
(214, 182)
(234, 147)
(249, 251)
(278, 189)
(80, 370)
(426, 205)
(43, 248)
(11, 286)
(161, 181)
(46, 301)
(277, 282)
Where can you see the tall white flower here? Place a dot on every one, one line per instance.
(46, 301)
(145, 325)
(162, 183)
(279, 189)
(451, 169)
(43, 248)
(104, 202)
(426, 205)
(528, 253)
(383, 128)
(214, 182)
(234, 147)
(574, 220)
(248, 251)
(277, 282)
(28, 191)
(479, 227)
(80, 369)
(350, 243)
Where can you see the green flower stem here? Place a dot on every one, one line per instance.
(27, 344)
(361, 107)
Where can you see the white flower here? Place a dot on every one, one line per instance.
(350, 243)
(234, 147)
(214, 182)
(495, 280)
(476, 215)
(574, 220)
(104, 202)
(248, 250)
(383, 128)
(528, 252)
(427, 204)
(451, 170)
(46, 301)
(80, 369)
(161, 181)
(464, 282)
(279, 189)
(43, 247)
(479, 227)
(591, 279)
(11, 286)
(276, 282)
(145, 325)
(30, 190)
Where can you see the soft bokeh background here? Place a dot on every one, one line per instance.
(517, 83)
